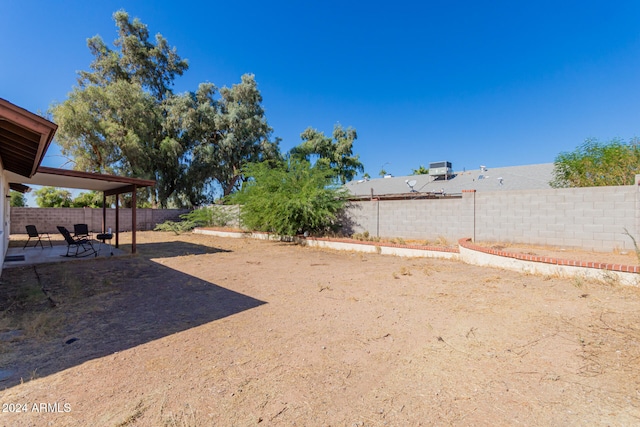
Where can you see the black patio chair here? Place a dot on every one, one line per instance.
(81, 231)
(32, 231)
(84, 243)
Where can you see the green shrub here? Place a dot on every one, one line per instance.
(203, 217)
(176, 227)
(219, 217)
(290, 198)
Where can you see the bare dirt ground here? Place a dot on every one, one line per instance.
(199, 330)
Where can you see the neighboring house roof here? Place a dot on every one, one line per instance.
(529, 177)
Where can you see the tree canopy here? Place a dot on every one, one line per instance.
(137, 60)
(51, 197)
(222, 133)
(420, 171)
(17, 199)
(113, 121)
(89, 199)
(595, 164)
(124, 118)
(335, 152)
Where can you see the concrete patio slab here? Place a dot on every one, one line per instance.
(18, 257)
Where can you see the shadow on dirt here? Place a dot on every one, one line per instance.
(171, 249)
(56, 316)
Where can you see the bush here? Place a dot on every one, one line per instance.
(177, 227)
(203, 217)
(290, 198)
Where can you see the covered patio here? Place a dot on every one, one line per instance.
(24, 140)
(109, 185)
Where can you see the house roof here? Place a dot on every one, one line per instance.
(24, 139)
(529, 177)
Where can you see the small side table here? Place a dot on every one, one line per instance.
(104, 237)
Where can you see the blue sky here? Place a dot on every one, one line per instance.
(496, 83)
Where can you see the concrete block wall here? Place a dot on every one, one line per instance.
(592, 218)
(360, 217)
(46, 219)
(428, 219)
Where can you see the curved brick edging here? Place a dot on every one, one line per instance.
(466, 243)
(479, 255)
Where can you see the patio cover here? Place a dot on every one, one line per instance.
(65, 178)
(24, 139)
(110, 185)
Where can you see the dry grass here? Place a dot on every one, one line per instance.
(43, 324)
(331, 338)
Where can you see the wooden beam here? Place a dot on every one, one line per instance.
(120, 190)
(34, 123)
(134, 202)
(104, 213)
(117, 221)
(124, 180)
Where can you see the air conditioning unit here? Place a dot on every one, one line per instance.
(440, 169)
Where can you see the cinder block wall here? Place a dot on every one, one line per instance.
(46, 219)
(593, 218)
(428, 219)
(590, 218)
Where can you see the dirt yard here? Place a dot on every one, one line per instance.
(197, 330)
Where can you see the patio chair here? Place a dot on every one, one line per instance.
(32, 231)
(81, 231)
(77, 243)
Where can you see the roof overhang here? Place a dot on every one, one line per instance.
(24, 139)
(109, 184)
(19, 188)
